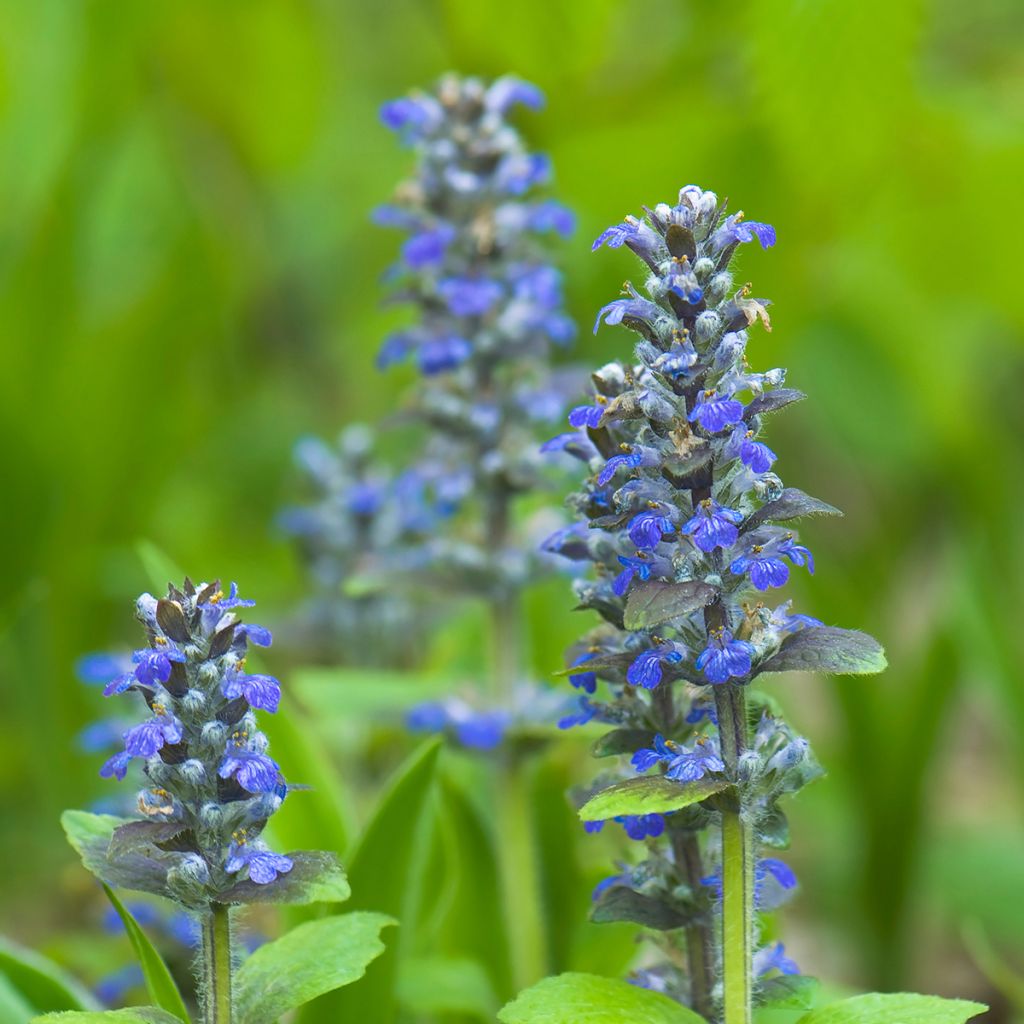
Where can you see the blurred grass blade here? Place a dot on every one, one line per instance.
(159, 983)
(158, 566)
(40, 982)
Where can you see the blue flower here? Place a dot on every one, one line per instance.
(797, 553)
(676, 362)
(765, 569)
(681, 280)
(637, 309)
(146, 738)
(713, 525)
(586, 713)
(633, 567)
(647, 528)
(645, 669)
(637, 235)
(264, 866)
(701, 709)
(642, 826)
(224, 603)
(429, 716)
(508, 90)
(755, 455)
(551, 216)
(592, 827)
(784, 620)
(411, 114)
(519, 172)
(735, 229)
(428, 248)
(258, 635)
(586, 415)
(263, 692)
(683, 765)
(583, 680)
(616, 462)
(715, 412)
(469, 296)
(724, 657)
(774, 958)
(482, 730)
(439, 354)
(102, 667)
(253, 771)
(768, 872)
(116, 766)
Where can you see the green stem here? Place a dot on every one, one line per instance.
(698, 933)
(217, 964)
(518, 859)
(737, 866)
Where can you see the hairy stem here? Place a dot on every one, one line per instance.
(217, 964)
(737, 866)
(686, 847)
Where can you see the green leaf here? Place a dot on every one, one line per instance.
(310, 960)
(788, 992)
(895, 1008)
(589, 999)
(315, 877)
(652, 603)
(159, 984)
(13, 1007)
(654, 795)
(90, 835)
(133, 1015)
(442, 985)
(40, 981)
(828, 649)
(772, 401)
(385, 876)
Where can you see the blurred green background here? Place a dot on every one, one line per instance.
(188, 282)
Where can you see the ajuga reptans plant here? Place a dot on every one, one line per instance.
(488, 307)
(210, 789)
(687, 524)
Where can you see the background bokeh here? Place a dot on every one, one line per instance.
(188, 282)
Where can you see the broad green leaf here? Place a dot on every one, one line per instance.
(43, 984)
(159, 984)
(652, 603)
(654, 795)
(440, 985)
(158, 566)
(315, 877)
(384, 870)
(90, 835)
(310, 960)
(895, 1008)
(827, 649)
(132, 1015)
(590, 999)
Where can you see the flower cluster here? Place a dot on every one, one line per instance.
(685, 522)
(359, 515)
(211, 785)
(488, 309)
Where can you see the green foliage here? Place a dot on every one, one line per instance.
(306, 962)
(133, 1015)
(648, 795)
(160, 985)
(385, 870)
(434, 984)
(31, 980)
(895, 1008)
(589, 999)
(315, 877)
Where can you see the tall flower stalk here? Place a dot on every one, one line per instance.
(210, 788)
(488, 308)
(682, 516)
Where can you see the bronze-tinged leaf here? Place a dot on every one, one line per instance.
(142, 836)
(171, 619)
(772, 401)
(654, 602)
(620, 903)
(680, 242)
(622, 741)
(222, 640)
(315, 877)
(792, 503)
